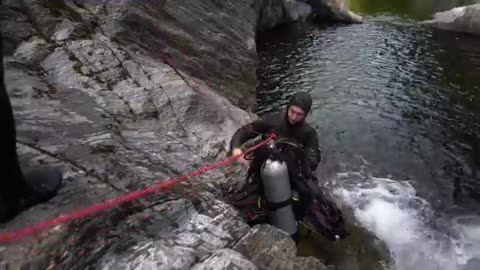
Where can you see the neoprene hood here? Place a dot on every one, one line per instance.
(301, 99)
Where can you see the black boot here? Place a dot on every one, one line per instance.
(39, 185)
(296, 237)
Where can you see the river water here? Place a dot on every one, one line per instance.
(397, 110)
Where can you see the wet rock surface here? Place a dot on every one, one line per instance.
(120, 95)
(197, 242)
(461, 19)
(225, 259)
(270, 248)
(114, 119)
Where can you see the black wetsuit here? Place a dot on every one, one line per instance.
(19, 190)
(11, 182)
(302, 134)
(301, 162)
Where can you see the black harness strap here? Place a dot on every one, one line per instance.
(274, 206)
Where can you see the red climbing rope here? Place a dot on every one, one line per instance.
(36, 228)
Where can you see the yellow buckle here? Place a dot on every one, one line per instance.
(259, 201)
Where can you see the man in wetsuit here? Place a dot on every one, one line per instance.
(289, 124)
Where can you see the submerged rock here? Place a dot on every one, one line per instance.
(270, 248)
(32, 51)
(461, 19)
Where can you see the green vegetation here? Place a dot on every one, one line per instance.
(416, 9)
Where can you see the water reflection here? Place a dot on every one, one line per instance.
(459, 55)
(400, 97)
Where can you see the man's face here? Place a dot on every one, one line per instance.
(295, 115)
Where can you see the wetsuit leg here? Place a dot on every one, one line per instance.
(309, 192)
(18, 191)
(11, 179)
(306, 198)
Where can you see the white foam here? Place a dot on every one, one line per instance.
(392, 211)
(469, 231)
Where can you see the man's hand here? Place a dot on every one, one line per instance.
(241, 159)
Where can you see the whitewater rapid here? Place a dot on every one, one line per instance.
(392, 211)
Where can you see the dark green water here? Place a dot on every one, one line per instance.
(397, 110)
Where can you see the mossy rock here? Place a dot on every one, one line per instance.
(361, 250)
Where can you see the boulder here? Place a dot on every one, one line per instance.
(226, 259)
(33, 51)
(296, 10)
(272, 13)
(464, 19)
(334, 10)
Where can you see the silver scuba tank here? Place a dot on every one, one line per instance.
(278, 193)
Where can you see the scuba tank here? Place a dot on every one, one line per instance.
(278, 193)
(277, 176)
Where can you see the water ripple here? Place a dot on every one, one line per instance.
(398, 93)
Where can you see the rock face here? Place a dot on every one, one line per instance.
(461, 19)
(119, 95)
(198, 243)
(112, 114)
(196, 36)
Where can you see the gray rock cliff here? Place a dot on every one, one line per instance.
(119, 95)
(196, 36)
